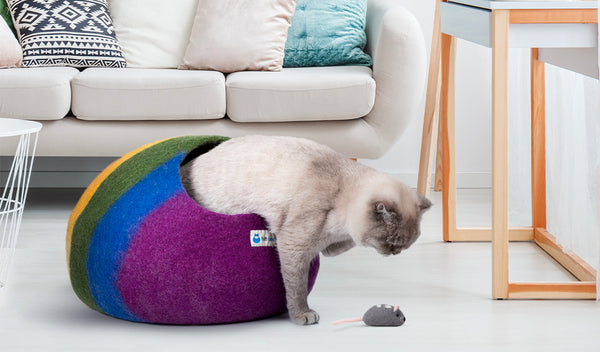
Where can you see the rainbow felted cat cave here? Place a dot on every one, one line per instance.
(139, 248)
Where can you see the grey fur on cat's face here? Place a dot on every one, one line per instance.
(392, 231)
(392, 223)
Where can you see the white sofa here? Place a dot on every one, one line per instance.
(357, 110)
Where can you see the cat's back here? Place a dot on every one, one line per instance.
(278, 153)
(254, 170)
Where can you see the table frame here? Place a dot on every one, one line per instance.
(441, 98)
(22, 136)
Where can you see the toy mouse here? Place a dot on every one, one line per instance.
(379, 315)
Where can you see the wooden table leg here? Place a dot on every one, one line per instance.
(438, 182)
(500, 24)
(448, 135)
(432, 102)
(538, 142)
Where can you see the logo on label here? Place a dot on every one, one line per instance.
(262, 238)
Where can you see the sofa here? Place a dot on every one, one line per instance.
(361, 111)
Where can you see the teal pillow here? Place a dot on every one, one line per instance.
(327, 33)
(5, 13)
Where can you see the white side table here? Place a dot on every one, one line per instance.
(500, 25)
(18, 139)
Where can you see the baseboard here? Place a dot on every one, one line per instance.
(60, 172)
(62, 179)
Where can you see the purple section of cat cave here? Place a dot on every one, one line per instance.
(187, 265)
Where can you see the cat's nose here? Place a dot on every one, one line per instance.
(396, 249)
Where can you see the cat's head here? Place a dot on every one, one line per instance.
(389, 219)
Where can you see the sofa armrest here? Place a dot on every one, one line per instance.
(396, 43)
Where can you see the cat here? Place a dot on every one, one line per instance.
(313, 198)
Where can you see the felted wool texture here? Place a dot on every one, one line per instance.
(105, 190)
(119, 226)
(205, 272)
(151, 254)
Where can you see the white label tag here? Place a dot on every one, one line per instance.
(262, 238)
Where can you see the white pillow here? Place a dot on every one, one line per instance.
(11, 54)
(153, 33)
(239, 35)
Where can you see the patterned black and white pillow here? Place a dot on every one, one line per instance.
(76, 33)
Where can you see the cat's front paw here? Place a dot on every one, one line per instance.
(305, 318)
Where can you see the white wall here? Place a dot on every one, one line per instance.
(473, 111)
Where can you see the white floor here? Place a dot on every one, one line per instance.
(444, 290)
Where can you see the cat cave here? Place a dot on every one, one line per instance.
(140, 249)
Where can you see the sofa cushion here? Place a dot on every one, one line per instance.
(10, 50)
(152, 33)
(148, 94)
(300, 94)
(231, 36)
(5, 13)
(327, 33)
(66, 33)
(36, 93)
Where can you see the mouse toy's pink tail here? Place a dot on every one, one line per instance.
(351, 320)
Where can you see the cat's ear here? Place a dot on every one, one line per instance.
(424, 203)
(381, 210)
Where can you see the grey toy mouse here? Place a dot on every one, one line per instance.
(379, 315)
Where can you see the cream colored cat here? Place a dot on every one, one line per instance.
(313, 198)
